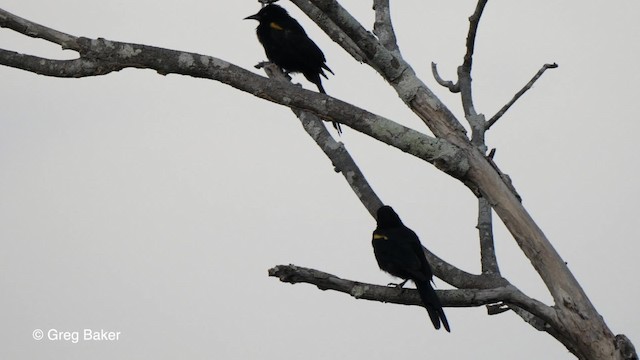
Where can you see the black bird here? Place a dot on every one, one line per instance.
(399, 252)
(287, 45)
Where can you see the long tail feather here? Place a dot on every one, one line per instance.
(432, 304)
(321, 89)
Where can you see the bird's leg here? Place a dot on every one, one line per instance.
(263, 64)
(398, 286)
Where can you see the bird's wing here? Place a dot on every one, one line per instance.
(303, 45)
(420, 266)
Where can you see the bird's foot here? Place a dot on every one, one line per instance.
(397, 286)
(261, 64)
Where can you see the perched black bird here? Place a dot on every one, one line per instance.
(287, 45)
(399, 252)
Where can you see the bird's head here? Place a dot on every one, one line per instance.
(269, 13)
(387, 218)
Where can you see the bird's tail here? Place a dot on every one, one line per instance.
(432, 303)
(321, 89)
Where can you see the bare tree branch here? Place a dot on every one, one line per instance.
(488, 258)
(31, 29)
(528, 86)
(459, 278)
(450, 298)
(383, 27)
(101, 56)
(477, 122)
(626, 347)
(474, 21)
(454, 88)
(341, 159)
(464, 70)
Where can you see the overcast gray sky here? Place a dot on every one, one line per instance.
(154, 205)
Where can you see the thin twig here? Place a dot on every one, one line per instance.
(474, 21)
(383, 28)
(34, 30)
(477, 122)
(454, 88)
(528, 86)
(464, 70)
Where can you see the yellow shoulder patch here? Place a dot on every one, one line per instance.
(275, 26)
(379, 237)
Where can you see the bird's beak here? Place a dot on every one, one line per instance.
(252, 17)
